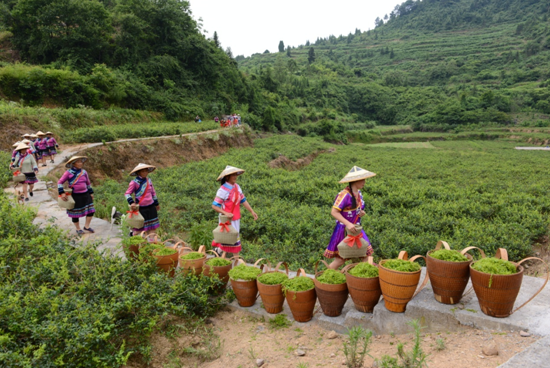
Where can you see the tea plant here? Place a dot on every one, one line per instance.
(356, 348)
(416, 358)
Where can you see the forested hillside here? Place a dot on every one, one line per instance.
(435, 64)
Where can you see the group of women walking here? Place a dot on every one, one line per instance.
(347, 210)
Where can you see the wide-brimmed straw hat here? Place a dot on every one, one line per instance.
(26, 135)
(33, 136)
(26, 141)
(39, 133)
(17, 143)
(21, 146)
(140, 167)
(49, 133)
(230, 170)
(69, 163)
(356, 173)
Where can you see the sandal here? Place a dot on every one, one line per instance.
(89, 229)
(80, 232)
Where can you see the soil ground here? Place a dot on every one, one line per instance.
(241, 339)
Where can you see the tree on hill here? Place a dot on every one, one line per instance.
(288, 51)
(216, 40)
(281, 46)
(311, 55)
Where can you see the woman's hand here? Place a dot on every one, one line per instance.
(64, 197)
(228, 214)
(254, 215)
(350, 227)
(362, 213)
(133, 207)
(91, 195)
(158, 208)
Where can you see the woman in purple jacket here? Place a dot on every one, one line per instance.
(145, 197)
(83, 194)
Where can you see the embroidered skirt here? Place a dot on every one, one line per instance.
(83, 205)
(52, 151)
(338, 235)
(150, 215)
(30, 178)
(231, 248)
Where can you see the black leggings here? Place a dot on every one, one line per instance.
(76, 219)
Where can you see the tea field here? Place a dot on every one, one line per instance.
(481, 193)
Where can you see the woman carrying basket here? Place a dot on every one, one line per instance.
(348, 209)
(82, 193)
(51, 146)
(24, 160)
(145, 197)
(228, 201)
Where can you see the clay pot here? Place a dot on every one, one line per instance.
(221, 271)
(272, 296)
(331, 297)
(365, 292)
(301, 303)
(191, 266)
(167, 263)
(246, 292)
(399, 287)
(449, 279)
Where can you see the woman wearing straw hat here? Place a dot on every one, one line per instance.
(26, 163)
(348, 209)
(41, 144)
(51, 145)
(228, 201)
(82, 193)
(145, 197)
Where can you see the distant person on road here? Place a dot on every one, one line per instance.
(239, 120)
(82, 193)
(41, 146)
(145, 197)
(197, 119)
(216, 119)
(348, 209)
(228, 201)
(25, 162)
(51, 145)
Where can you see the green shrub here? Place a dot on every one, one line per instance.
(401, 265)
(272, 278)
(364, 270)
(192, 255)
(332, 277)
(300, 283)
(218, 262)
(448, 255)
(495, 266)
(244, 273)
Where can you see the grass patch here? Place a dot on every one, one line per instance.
(273, 278)
(448, 255)
(495, 266)
(280, 321)
(244, 273)
(332, 277)
(364, 270)
(402, 265)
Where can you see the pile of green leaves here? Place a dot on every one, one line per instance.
(300, 283)
(364, 270)
(218, 262)
(495, 266)
(448, 255)
(272, 278)
(332, 277)
(401, 265)
(165, 251)
(192, 255)
(67, 304)
(244, 273)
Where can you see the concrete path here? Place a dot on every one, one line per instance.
(534, 148)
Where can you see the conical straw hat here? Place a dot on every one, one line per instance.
(33, 136)
(21, 146)
(17, 143)
(230, 170)
(356, 173)
(26, 135)
(26, 141)
(39, 133)
(140, 167)
(69, 163)
(49, 133)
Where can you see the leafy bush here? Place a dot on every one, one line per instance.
(65, 303)
(356, 347)
(416, 358)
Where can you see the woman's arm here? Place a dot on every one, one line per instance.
(338, 216)
(219, 210)
(247, 206)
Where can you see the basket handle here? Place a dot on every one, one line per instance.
(426, 278)
(370, 260)
(279, 265)
(185, 248)
(543, 285)
(265, 267)
(501, 254)
(466, 250)
(317, 264)
(202, 249)
(156, 237)
(258, 261)
(349, 267)
(403, 255)
(301, 271)
(442, 243)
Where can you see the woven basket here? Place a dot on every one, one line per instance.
(135, 219)
(301, 303)
(225, 233)
(191, 266)
(69, 203)
(497, 293)
(18, 176)
(353, 245)
(246, 292)
(331, 297)
(272, 296)
(221, 271)
(399, 287)
(365, 292)
(167, 263)
(449, 279)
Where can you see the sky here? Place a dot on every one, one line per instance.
(252, 26)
